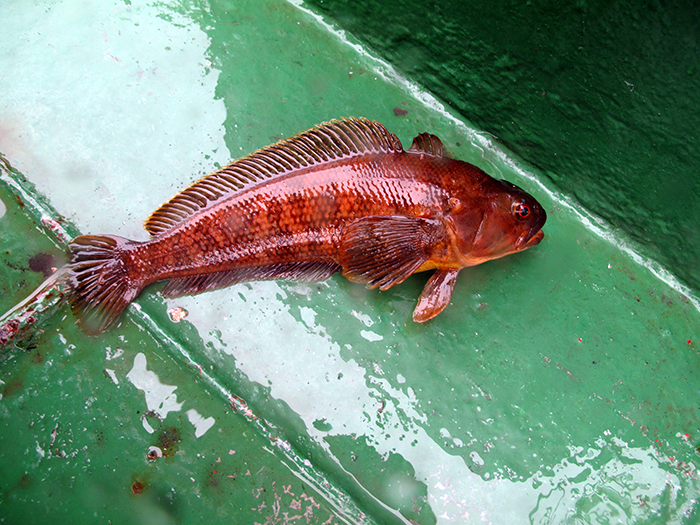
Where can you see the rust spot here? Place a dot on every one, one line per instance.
(8, 331)
(169, 441)
(137, 487)
(212, 479)
(12, 387)
(400, 112)
(19, 201)
(25, 482)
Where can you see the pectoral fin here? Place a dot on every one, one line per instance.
(436, 295)
(382, 251)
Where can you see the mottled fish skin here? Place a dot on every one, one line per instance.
(343, 196)
(297, 217)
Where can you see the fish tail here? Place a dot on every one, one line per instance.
(100, 287)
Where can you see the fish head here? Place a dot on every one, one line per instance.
(509, 220)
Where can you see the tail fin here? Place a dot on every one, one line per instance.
(99, 285)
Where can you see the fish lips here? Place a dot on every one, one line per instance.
(528, 240)
(531, 237)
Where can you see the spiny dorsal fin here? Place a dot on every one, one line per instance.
(428, 144)
(334, 140)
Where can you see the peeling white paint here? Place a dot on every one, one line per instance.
(159, 397)
(201, 424)
(112, 375)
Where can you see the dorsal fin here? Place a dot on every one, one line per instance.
(428, 144)
(334, 140)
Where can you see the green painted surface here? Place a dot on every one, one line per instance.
(560, 385)
(600, 95)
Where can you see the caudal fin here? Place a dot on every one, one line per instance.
(99, 285)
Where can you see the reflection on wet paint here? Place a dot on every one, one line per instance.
(371, 336)
(317, 383)
(366, 320)
(135, 80)
(631, 485)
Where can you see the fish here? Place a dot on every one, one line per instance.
(343, 196)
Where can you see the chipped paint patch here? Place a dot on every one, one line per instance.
(159, 397)
(201, 424)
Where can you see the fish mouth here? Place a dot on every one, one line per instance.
(528, 240)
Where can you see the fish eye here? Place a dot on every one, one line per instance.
(521, 210)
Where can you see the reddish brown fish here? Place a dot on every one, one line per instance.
(342, 196)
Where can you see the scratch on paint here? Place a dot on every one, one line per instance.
(275, 514)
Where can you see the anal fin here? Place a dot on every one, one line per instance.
(306, 271)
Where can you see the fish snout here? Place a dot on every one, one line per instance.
(534, 235)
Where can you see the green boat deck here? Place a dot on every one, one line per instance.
(560, 386)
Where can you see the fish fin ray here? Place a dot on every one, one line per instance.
(305, 271)
(99, 288)
(333, 140)
(428, 144)
(382, 251)
(436, 295)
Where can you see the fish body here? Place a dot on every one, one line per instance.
(343, 196)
